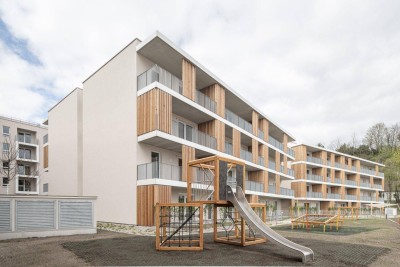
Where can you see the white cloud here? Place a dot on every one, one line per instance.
(321, 69)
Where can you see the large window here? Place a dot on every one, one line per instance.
(25, 138)
(24, 153)
(6, 130)
(6, 147)
(185, 131)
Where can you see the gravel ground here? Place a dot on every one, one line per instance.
(377, 247)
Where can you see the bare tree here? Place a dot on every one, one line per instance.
(9, 168)
(336, 144)
(375, 136)
(392, 136)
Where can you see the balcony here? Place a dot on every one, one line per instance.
(261, 134)
(381, 199)
(338, 165)
(313, 177)
(365, 198)
(381, 174)
(26, 139)
(261, 161)
(158, 74)
(314, 160)
(271, 165)
(282, 169)
(290, 172)
(368, 171)
(228, 148)
(353, 168)
(155, 170)
(333, 196)
(350, 182)
(291, 152)
(337, 181)
(314, 194)
(272, 141)
(239, 121)
(351, 197)
(246, 155)
(195, 136)
(27, 186)
(287, 192)
(272, 189)
(254, 186)
(365, 185)
(377, 186)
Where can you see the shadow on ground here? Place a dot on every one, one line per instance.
(140, 250)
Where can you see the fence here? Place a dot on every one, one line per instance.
(40, 216)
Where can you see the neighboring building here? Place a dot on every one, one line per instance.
(29, 141)
(128, 135)
(326, 178)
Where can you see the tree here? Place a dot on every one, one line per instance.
(9, 168)
(392, 135)
(320, 145)
(375, 136)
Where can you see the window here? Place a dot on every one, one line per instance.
(6, 147)
(5, 181)
(185, 131)
(6, 130)
(45, 188)
(25, 138)
(45, 139)
(6, 164)
(24, 153)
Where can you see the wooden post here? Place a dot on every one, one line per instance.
(157, 227)
(243, 232)
(201, 227)
(215, 222)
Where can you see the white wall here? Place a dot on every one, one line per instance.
(65, 148)
(110, 137)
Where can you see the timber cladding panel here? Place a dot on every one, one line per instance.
(46, 157)
(300, 189)
(300, 171)
(188, 154)
(216, 129)
(147, 197)
(236, 143)
(263, 124)
(254, 150)
(189, 79)
(217, 93)
(154, 112)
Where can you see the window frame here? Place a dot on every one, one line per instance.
(6, 127)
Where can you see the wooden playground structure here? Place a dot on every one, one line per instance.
(316, 220)
(179, 226)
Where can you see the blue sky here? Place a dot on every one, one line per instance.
(321, 69)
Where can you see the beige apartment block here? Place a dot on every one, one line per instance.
(327, 178)
(29, 141)
(128, 135)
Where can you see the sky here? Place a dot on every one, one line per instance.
(323, 70)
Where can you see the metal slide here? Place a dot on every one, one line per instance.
(240, 203)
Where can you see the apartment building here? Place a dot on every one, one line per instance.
(326, 179)
(24, 155)
(142, 116)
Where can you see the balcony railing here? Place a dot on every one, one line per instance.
(239, 121)
(228, 148)
(291, 152)
(314, 160)
(158, 74)
(351, 197)
(272, 189)
(314, 177)
(27, 139)
(381, 174)
(381, 199)
(246, 155)
(350, 182)
(314, 194)
(338, 165)
(272, 141)
(365, 198)
(261, 161)
(261, 134)
(155, 170)
(368, 171)
(196, 136)
(353, 168)
(287, 192)
(377, 186)
(365, 185)
(271, 165)
(282, 168)
(333, 196)
(254, 186)
(290, 172)
(338, 181)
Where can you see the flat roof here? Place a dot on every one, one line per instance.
(30, 123)
(337, 152)
(167, 51)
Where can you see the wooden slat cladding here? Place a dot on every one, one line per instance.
(252, 198)
(256, 176)
(188, 154)
(236, 143)
(254, 150)
(264, 126)
(46, 157)
(300, 189)
(189, 79)
(216, 93)
(147, 197)
(216, 129)
(154, 112)
(254, 121)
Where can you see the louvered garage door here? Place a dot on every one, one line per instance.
(5, 216)
(75, 214)
(32, 215)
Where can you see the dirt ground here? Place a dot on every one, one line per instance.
(372, 243)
